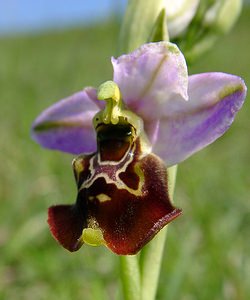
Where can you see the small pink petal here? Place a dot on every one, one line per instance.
(150, 76)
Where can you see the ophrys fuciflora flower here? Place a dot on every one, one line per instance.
(153, 116)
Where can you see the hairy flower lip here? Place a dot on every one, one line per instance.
(128, 216)
(154, 230)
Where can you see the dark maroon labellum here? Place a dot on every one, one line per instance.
(121, 190)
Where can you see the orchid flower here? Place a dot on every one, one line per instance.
(150, 117)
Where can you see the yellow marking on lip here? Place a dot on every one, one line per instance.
(78, 167)
(136, 192)
(117, 182)
(103, 198)
(77, 164)
(92, 237)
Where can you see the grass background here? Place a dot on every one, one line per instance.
(207, 254)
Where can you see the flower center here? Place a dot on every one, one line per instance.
(115, 122)
(115, 112)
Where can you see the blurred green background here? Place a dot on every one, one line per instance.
(207, 253)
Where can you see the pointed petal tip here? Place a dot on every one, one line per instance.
(236, 86)
(134, 248)
(155, 230)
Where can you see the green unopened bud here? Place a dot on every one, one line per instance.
(223, 15)
(160, 30)
(213, 19)
(179, 15)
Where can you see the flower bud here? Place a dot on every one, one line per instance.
(223, 15)
(212, 19)
(179, 15)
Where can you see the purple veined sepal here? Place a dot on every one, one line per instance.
(67, 125)
(125, 200)
(187, 127)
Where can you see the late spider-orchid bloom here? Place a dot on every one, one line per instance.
(153, 116)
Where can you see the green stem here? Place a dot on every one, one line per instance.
(130, 277)
(151, 255)
(151, 258)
